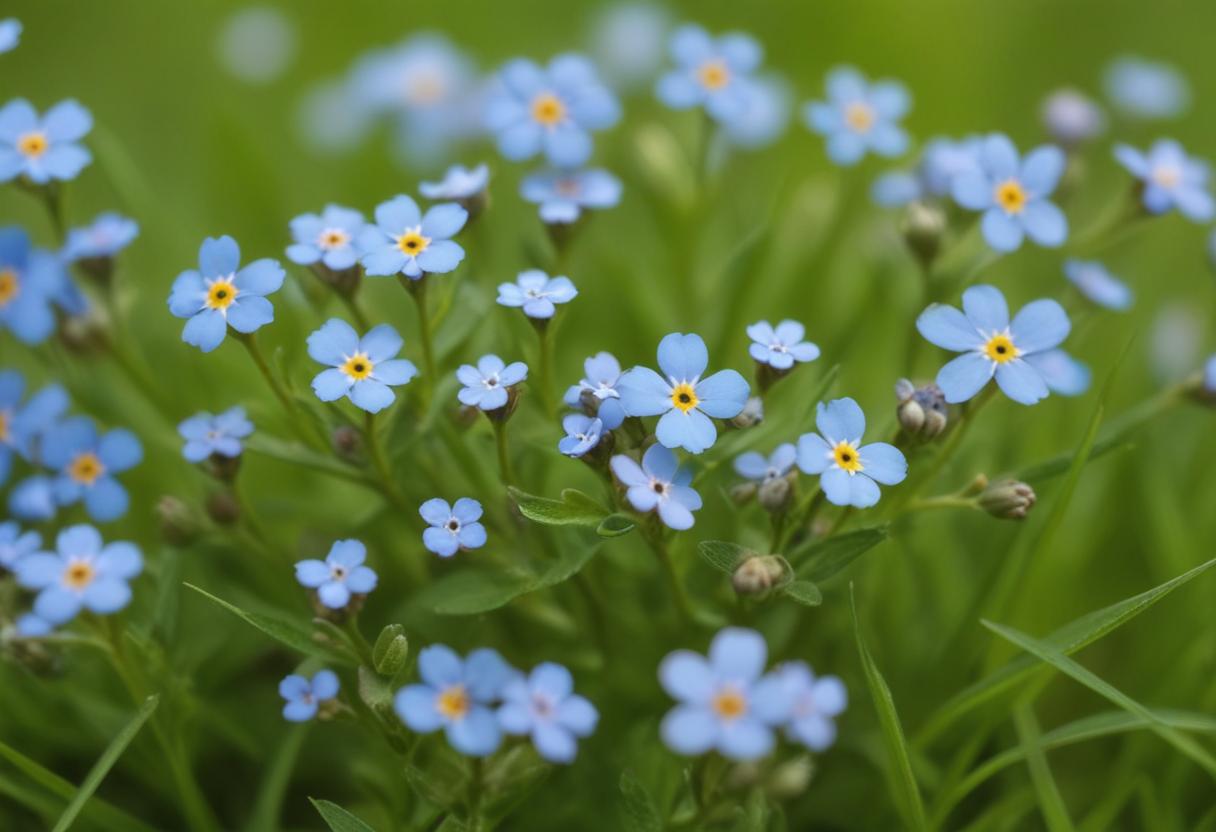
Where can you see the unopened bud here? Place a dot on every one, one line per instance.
(1072, 118)
(740, 494)
(791, 778)
(86, 334)
(178, 523)
(1007, 499)
(921, 410)
(391, 651)
(223, 508)
(347, 441)
(751, 415)
(759, 574)
(774, 494)
(223, 468)
(923, 228)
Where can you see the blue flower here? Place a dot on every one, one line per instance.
(459, 184)
(1170, 178)
(941, 160)
(765, 114)
(714, 73)
(849, 472)
(338, 577)
(1098, 285)
(1072, 118)
(725, 703)
(1209, 375)
(685, 400)
(405, 241)
(553, 110)
(537, 293)
(362, 369)
(30, 625)
(23, 425)
(582, 434)
(84, 573)
(659, 483)
(755, 466)
(1062, 373)
(859, 116)
(43, 148)
(781, 346)
(814, 702)
(107, 235)
(486, 385)
(10, 34)
(16, 544)
(455, 695)
(221, 294)
(33, 499)
(563, 194)
(1013, 192)
(630, 41)
(303, 696)
(328, 238)
(452, 528)
(31, 281)
(87, 464)
(208, 435)
(1146, 89)
(601, 373)
(545, 706)
(992, 346)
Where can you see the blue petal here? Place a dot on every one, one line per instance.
(840, 420)
(738, 654)
(814, 454)
(476, 735)
(440, 257)
(106, 596)
(218, 257)
(106, 500)
(381, 343)
(521, 141)
(883, 463)
(333, 343)
(948, 328)
(965, 376)
(693, 431)
(1041, 170)
(119, 450)
(1002, 231)
(689, 730)
(1021, 382)
(554, 743)
(371, 396)
(644, 392)
(722, 395)
(679, 90)
(1040, 325)
(397, 371)
(261, 277)
(683, 357)
(205, 330)
(1061, 372)
(439, 666)
(312, 573)
(331, 385)
(443, 221)
(999, 157)
(415, 705)
(1045, 223)
(986, 309)
(435, 511)
(745, 739)
(567, 146)
(972, 190)
(439, 541)
(67, 121)
(397, 214)
(250, 313)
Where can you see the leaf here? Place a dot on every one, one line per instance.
(900, 778)
(1055, 813)
(105, 762)
(824, 558)
(804, 592)
(337, 818)
(615, 525)
(478, 590)
(267, 445)
(276, 777)
(639, 810)
(574, 509)
(285, 632)
(723, 556)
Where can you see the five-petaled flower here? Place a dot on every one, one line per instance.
(544, 705)
(16, 544)
(780, 346)
(403, 240)
(755, 466)
(455, 695)
(1170, 179)
(43, 148)
(601, 374)
(849, 472)
(714, 73)
(338, 577)
(563, 194)
(487, 385)
(582, 434)
(329, 238)
(304, 696)
(659, 484)
(452, 528)
(859, 116)
(83, 572)
(1097, 284)
(102, 239)
(220, 435)
(814, 703)
(87, 463)
(362, 369)
(537, 293)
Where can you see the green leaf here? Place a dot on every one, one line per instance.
(267, 445)
(804, 592)
(722, 555)
(1055, 813)
(478, 590)
(821, 559)
(574, 509)
(639, 810)
(275, 780)
(281, 630)
(337, 818)
(900, 778)
(615, 525)
(105, 762)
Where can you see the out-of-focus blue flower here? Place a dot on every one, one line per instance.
(406, 241)
(780, 346)
(629, 40)
(487, 385)
(455, 695)
(684, 399)
(1170, 178)
(725, 703)
(1209, 375)
(330, 117)
(257, 44)
(1098, 285)
(459, 184)
(553, 110)
(30, 282)
(33, 499)
(23, 425)
(10, 34)
(895, 188)
(1012, 194)
(304, 696)
(452, 528)
(755, 466)
(563, 194)
(1062, 373)
(87, 464)
(338, 577)
(941, 160)
(220, 435)
(107, 235)
(83, 572)
(601, 373)
(30, 625)
(545, 706)
(714, 73)
(814, 703)
(16, 544)
(1146, 89)
(582, 434)
(328, 238)
(220, 294)
(992, 346)
(362, 369)
(765, 114)
(849, 472)
(859, 116)
(537, 293)
(1072, 118)
(660, 484)
(43, 148)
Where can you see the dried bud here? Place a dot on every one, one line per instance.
(741, 493)
(223, 508)
(774, 494)
(1007, 499)
(1072, 118)
(391, 651)
(178, 524)
(751, 415)
(759, 574)
(223, 468)
(791, 778)
(922, 411)
(923, 228)
(347, 441)
(343, 281)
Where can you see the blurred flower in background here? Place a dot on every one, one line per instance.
(1072, 118)
(10, 34)
(628, 41)
(1146, 89)
(256, 44)
(859, 117)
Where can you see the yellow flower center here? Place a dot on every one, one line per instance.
(548, 109)
(86, 468)
(453, 702)
(79, 574)
(859, 116)
(9, 286)
(332, 238)
(846, 456)
(1011, 196)
(713, 74)
(413, 243)
(1167, 176)
(32, 144)
(221, 293)
(1000, 349)
(684, 396)
(729, 704)
(425, 88)
(358, 366)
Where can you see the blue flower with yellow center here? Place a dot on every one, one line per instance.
(43, 148)
(859, 117)
(1170, 179)
(849, 472)
(659, 484)
(456, 695)
(405, 241)
(362, 369)
(328, 238)
(563, 194)
(87, 464)
(544, 706)
(304, 696)
(83, 573)
(340, 576)
(711, 72)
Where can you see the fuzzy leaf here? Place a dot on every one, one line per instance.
(804, 592)
(337, 818)
(722, 555)
(615, 525)
(822, 559)
(574, 509)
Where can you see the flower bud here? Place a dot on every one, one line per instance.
(741, 493)
(923, 228)
(774, 494)
(751, 415)
(759, 574)
(178, 524)
(791, 778)
(1008, 499)
(223, 508)
(223, 468)
(921, 410)
(86, 334)
(391, 651)
(347, 441)
(1072, 118)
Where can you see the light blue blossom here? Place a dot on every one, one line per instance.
(1062, 373)
(487, 386)
(1012, 194)
(33, 499)
(725, 703)
(765, 114)
(629, 40)
(544, 706)
(685, 401)
(1098, 285)
(849, 472)
(755, 466)
(328, 238)
(87, 463)
(814, 703)
(31, 283)
(992, 346)
(459, 184)
(406, 241)
(22, 426)
(1146, 89)
(713, 73)
(30, 625)
(1209, 375)
(537, 293)
(659, 484)
(1170, 179)
(361, 369)
(220, 294)
(582, 434)
(107, 235)
(83, 572)
(304, 696)
(563, 194)
(1072, 118)
(43, 148)
(601, 374)
(552, 110)
(941, 160)
(781, 346)
(10, 34)
(208, 435)
(859, 116)
(456, 695)
(16, 544)
(452, 528)
(338, 577)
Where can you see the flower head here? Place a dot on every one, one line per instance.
(1170, 179)
(10, 34)
(362, 369)
(659, 484)
(941, 160)
(208, 435)
(102, 239)
(83, 572)
(685, 400)
(544, 706)
(455, 695)
(765, 114)
(563, 194)
(459, 184)
(1209, 375)
(304, 696)
(328, 238)
(1098, 285)
(814, 703)
(22, 425)
(992, 346)
(452, 528)
(32, 283)
(598, 387)
(1012, 194)
(16, 544)
(33, 498)
(338, 577)
(403, 240)
(1072, 118)
(487, 386)
(537, 293)
(582, 434)
(43, 148)
(713, 73)
(759, 468)
(849, 472)
(87, 463)
(859, 116)
(781, 346)
(1146, 89)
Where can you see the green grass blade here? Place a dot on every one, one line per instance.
(269, 802)
(1051, 804)
(281, 630)
(337, 818)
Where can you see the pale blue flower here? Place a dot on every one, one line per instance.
(563, 194)
(459, 184)
(1146, 89)
(32, 283)
(10, 34)
(83, 573)
(537, 293)
(87, 463)
(208, 435)
(1098, 285)
(487, 385)
(601, 374)
(340, 576)
(22, 425)
(629, 40)
(406, 241)
(780, 346)
(659, 484)
(1072, 118)
(33, 499)
(544, 706)
(859, 116)
(759, 468)
(16, 544)
(814, 704)
(765, 114)
(713, 73)
(1170, 179)
(104, 238)
(328, 238)
(362, 369)
(849, 472)
(304, 696)
(456, 695)
(582, 434)
(452, 528)
(43, 148)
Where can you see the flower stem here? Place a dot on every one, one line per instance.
(250, 343)
(504, 458)
(674, 584)
(380, 462)
(356, 311)
(545, 371)
(417, 290)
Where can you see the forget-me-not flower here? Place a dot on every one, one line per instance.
(87, 463)
(33, 499)
(487, 385)
(102, 239)
(563, 194)
(849, 472)
(684, 400)
(992, 346)
(328, 238)
(759, 468)
(1062, 373)
(304, 696)
(537, 293)
(544, 705)
(1209, 375)
(43, 148)
(1072, 118)
(10, 34)
(31, 281)
(459, 184)
(659, 484)
(1170, 179)
(601, 374)
(362, 369)
(455, 695)
(403, 240)
(582, 434)
(18, 423)
(781, 346)
(765, 115)
(814, 703)
(1097, 284)
(859, 116)
(208, 435)
(941, 160)
(338, 577)
(83, 572)
(16, 544)
(1146, 89)
(452, 527)
(711, 72)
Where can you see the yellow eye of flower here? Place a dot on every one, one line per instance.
(1167, 176)
(332, 238)
(79, 574)
(221, 293)
(9, 287)
(684, 397)
(548, 109)
(425, 88)
(32, 144)
(859, 116)
(358, 366)
(1011, 196)
(846, 456)
(86, 468)
(413, 243)
(729, 704)
(713, 74)
(453, 702)
(1000, 349)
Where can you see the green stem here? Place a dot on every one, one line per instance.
(940, 502)
(674, 584)
(417, 290)
(356, 311)
(504, 458)
(476, 784)
(376, 452)
(545, 371)
(312, 437)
